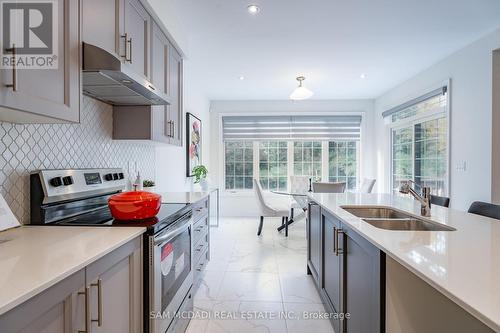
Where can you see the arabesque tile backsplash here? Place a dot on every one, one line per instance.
(24, 148)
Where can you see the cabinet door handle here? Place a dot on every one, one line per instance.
(130, 50)
(13, 85)
(125, 37)
(86, 293)
(335, 240)
(172, 131)
(99, 302)
(337, 232)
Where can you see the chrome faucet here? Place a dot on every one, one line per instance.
(424, 199)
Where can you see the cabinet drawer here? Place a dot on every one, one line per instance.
(199, 266)
(200, 247)
(200, 209)
(200, 229)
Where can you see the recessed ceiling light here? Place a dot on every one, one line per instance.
(253, 9)
(241, 78)
(363, 76)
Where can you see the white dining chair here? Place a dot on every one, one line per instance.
(367, 185)
(323, 187)
(268, 210)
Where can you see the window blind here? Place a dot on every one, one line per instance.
(324, 128)
(417, 105)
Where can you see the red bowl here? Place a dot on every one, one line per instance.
(134, 205)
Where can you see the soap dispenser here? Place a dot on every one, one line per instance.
(138, 182)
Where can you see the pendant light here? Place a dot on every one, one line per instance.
(301, 92)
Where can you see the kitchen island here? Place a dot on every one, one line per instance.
(462, 264)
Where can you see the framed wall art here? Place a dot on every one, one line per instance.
(193, 143)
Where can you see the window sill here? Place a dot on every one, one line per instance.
(238, 193)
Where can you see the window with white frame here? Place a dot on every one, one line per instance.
(419, 142)
(238, 164)
(273, 165)
(326, 148)
(343, 160)
(307, 159)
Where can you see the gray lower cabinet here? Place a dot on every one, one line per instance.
(115, 283)
(59, 309)
(364, 293)
(314, 241)
(332, 267)
(201, 239)
(106, 296)
(47, 95)
(351, 273)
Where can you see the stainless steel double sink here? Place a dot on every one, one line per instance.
(391, 219)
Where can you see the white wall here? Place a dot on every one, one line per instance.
(470, 71)
(495, 149)
(171, 160)
(244, 204)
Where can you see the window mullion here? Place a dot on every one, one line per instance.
(290, 163)
(256, 154)
(413, 151)
(325, 168)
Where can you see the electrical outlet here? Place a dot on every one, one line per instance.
(462, 166)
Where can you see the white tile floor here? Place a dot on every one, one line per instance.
(257, 284)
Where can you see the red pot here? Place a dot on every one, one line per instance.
(134, 205)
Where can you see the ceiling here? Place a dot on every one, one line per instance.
(331, 42)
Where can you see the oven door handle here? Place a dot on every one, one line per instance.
(172, 233)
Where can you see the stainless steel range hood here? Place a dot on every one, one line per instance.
(108, 79)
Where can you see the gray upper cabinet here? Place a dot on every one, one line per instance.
(102, 25)
(126, 29)
(47, 95)
(137, 27)
(175, 91)
(159, 124)
(121, 27)
(160, 49)
(159, 58)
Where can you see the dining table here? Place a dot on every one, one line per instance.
(297, 197)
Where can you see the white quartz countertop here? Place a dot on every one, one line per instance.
(464, 264)
(34, 258)
(182, 197)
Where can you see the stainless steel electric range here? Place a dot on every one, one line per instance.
(79, 198)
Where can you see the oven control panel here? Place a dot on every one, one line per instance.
(75, 182)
